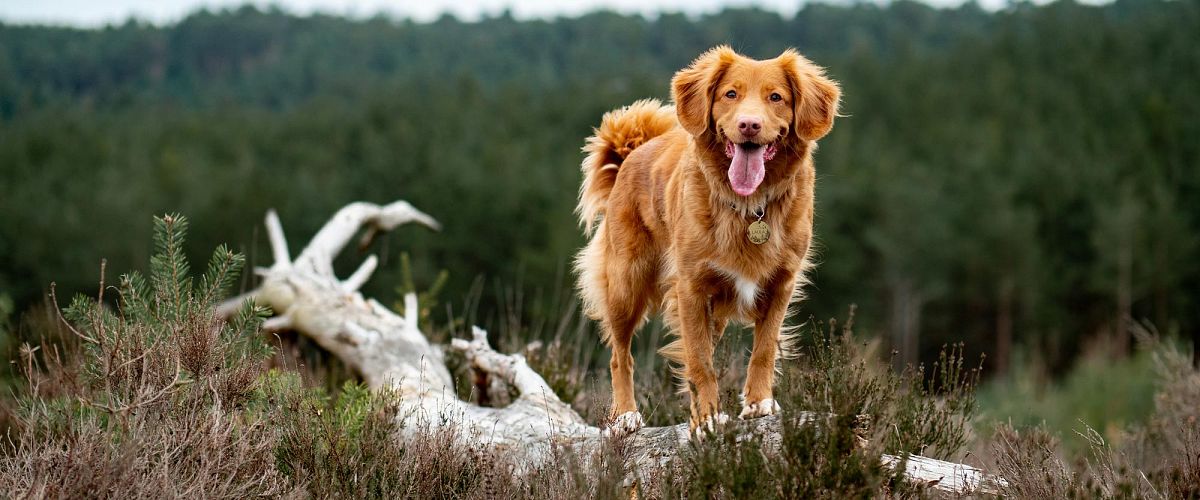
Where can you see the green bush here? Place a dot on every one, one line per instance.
(1159, 458)
(153, 397)
(1100, 392)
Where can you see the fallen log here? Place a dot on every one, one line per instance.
(390, 352)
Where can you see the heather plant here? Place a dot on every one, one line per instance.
(809, 460)
(920, 410)
(344, 446)
(844, 406)
(154, 394)
(932, 412)
(1106, 392)
(151, 397)
(1169, 444)
(165, 334)
(145, 391)
(1050, 206)
(1160, 459)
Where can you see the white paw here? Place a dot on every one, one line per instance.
(709, 425)
(760, 408)
(623, 425)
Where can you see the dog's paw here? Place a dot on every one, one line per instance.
(759, 408)
(709, 425)
(623, 425)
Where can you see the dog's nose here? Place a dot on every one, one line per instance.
(749, 125)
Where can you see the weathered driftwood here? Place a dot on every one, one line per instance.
(391, 353)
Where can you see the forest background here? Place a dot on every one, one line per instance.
(1024, 181)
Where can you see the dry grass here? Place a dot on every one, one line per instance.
(150, 399)
(193, 455)
(347, 447)
(155, 397)
(1158, 460)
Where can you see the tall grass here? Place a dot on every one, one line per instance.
(1101, 391)
(1159, 458)
(151, 395)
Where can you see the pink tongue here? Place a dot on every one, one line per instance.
(747, 171)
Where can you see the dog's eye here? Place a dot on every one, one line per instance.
(775, 97)
(732, 94)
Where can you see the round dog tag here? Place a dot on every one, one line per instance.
(758, 232)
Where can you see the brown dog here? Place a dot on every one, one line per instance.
(705, 212)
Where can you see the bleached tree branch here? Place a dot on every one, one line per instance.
(361, 275)
(391, 353)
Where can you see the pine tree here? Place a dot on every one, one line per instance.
(164, 339)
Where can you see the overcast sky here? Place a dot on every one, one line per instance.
(99, 12)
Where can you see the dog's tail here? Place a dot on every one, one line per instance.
(621, 131)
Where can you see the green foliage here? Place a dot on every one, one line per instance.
(427, 300)
(933, 416)
(7, 333)
(169, 320)
(1155, 460)
(1099, 392)
(1034, 164)
(813, 461)
(346, 447)
(158, 397)
(918, 411)
(6, 312)
(150, 397)
(556, 364)
(340, 446)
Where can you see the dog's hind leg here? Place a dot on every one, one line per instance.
(621, 327)
(630, 280)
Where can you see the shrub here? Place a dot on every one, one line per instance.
(346, 447)
(1158, 460)
(156, 401)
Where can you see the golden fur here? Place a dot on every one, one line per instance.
(670, 227)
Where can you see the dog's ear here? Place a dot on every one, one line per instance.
(692, 88)
(814, 96)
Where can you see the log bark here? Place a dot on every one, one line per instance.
(391, 354)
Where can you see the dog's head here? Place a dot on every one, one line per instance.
(753, 108)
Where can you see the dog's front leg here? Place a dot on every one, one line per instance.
(697, 338)
(757, 396)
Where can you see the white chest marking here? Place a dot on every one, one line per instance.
(747, 290)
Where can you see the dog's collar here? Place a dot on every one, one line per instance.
(758, 232)
(758, 211)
